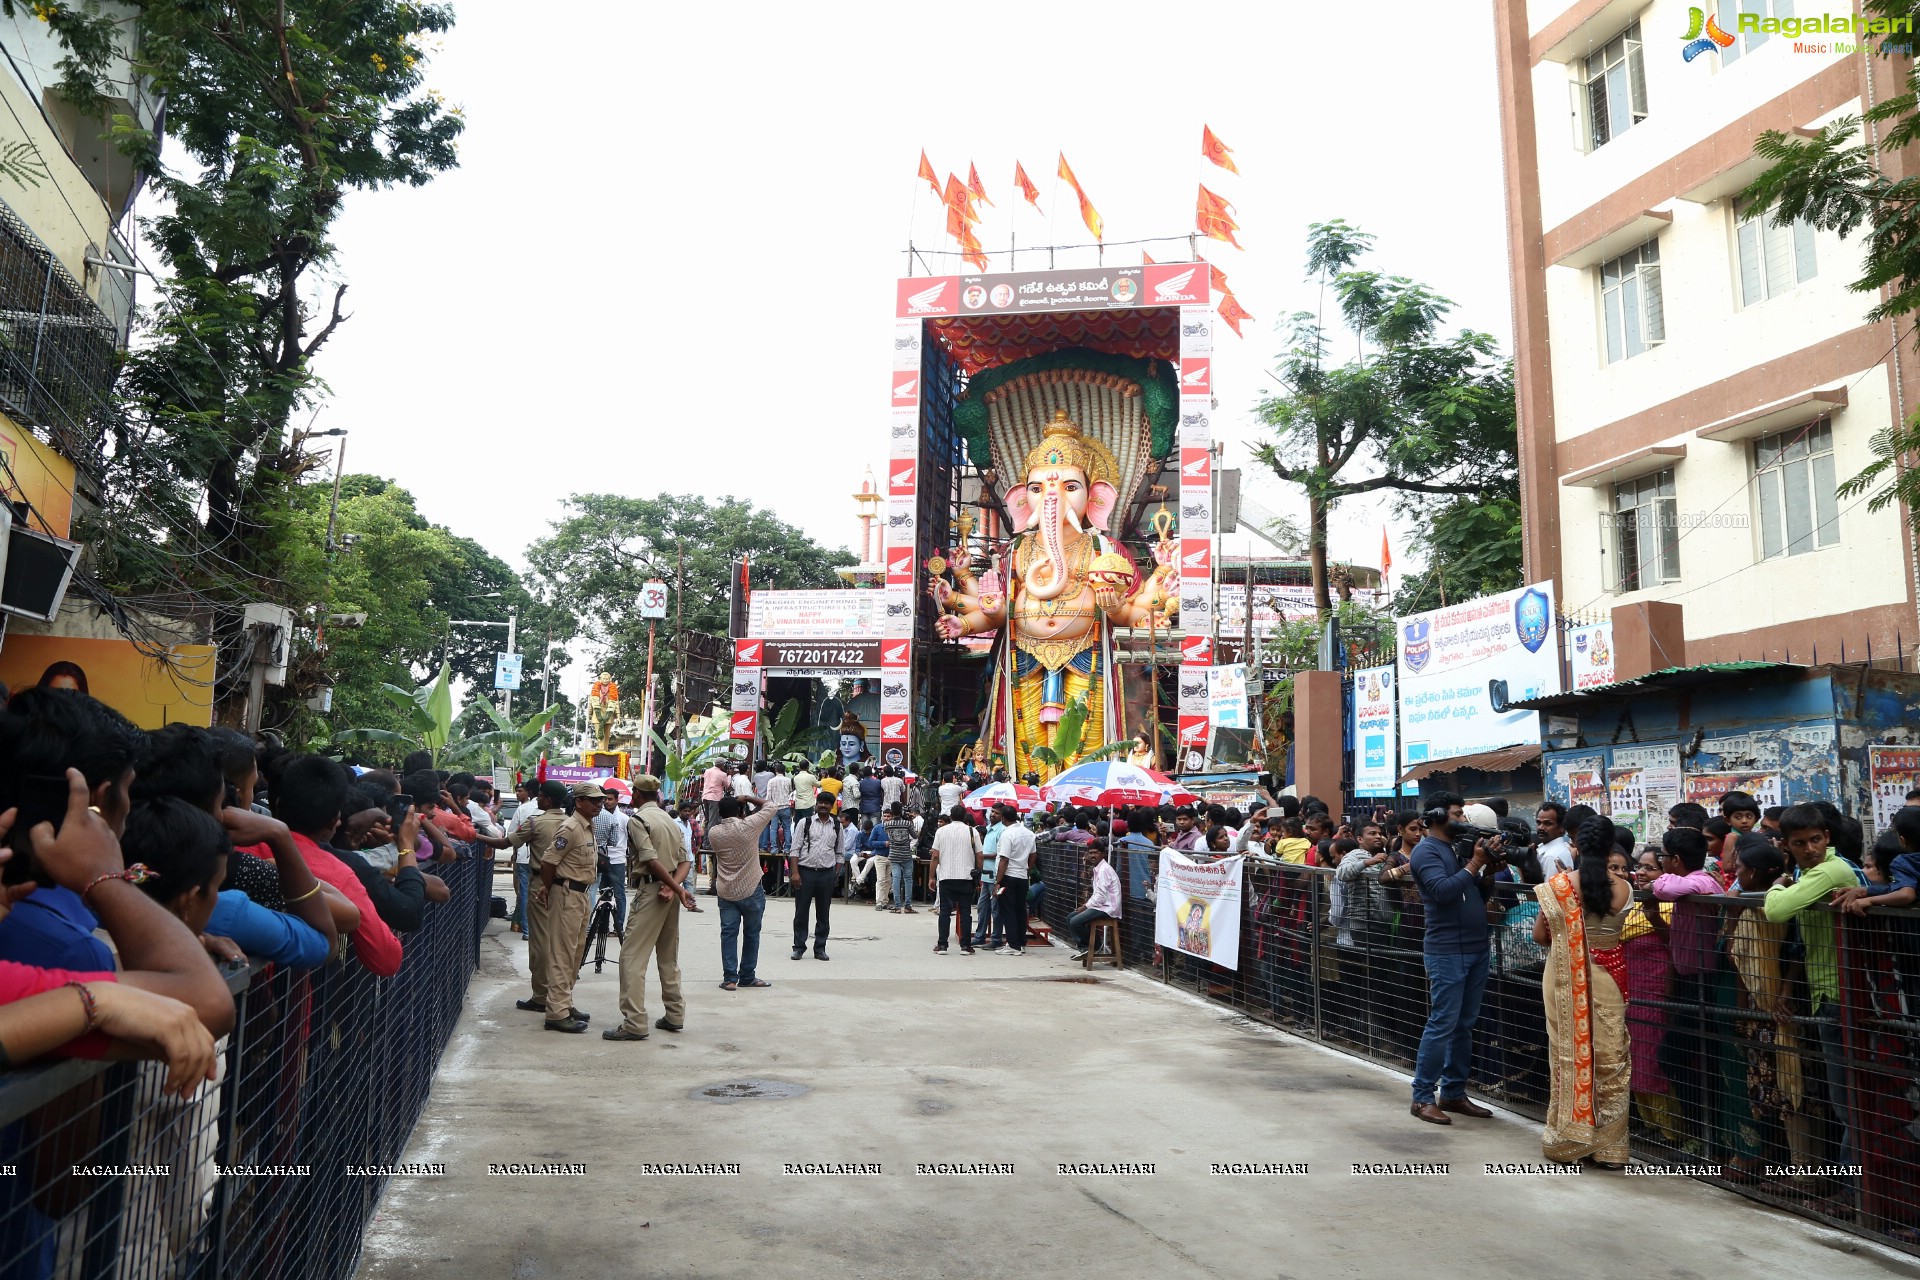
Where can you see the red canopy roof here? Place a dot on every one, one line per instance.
(983, 342)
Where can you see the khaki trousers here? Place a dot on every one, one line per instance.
(537, 937)
(653, 929)
(567, 916)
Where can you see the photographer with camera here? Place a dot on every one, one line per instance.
(1454, 868)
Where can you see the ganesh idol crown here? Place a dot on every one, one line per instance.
(1053, 595)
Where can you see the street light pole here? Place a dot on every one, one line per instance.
(333, 517)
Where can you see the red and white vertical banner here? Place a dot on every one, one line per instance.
(901, 544)
(896, 701)
(748, 658)
(1196, 531)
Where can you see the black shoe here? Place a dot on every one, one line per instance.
(664, 1025)
(1077, 956)
(572, 1026)
(531, 1006)
(799, 952)
(821, 955)
(621, 1033)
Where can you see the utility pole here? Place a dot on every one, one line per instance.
(680, 643)
(333, 517)
(513, 633)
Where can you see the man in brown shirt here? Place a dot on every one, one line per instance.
(568, 870)
(657, 871)
(540, 833)
(735, 840)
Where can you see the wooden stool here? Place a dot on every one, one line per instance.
(1108, 931)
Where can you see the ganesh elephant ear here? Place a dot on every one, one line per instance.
(1019, 510)
(1101, 498)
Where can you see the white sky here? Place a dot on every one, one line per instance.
(666, 260)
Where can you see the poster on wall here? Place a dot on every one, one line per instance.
(1461, 667)
(151, 692)
(1707, 788)
(1589, 787)
(1590, 655)
(1197, 909)
(1891, 773)
(1374, 753)
(1227, 696)
(1658, 783)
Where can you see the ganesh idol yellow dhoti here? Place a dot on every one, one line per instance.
(1066, 584)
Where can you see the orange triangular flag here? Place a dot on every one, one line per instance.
(1088, 214)
(958, 197)
(1211, 218)
(1146, 259)
(956, 221)
(926, 171)
(974, 188)
(1232, 313)
(1386, 553)
(1215, 150)
(1218, 279)
(970, 250)
(1027, 189)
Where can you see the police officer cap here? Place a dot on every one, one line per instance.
(646, 782)
(588, 791)
(554, 790)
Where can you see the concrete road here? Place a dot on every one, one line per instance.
(908, 1059)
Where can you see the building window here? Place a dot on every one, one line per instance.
(1730, 11)
(1630, 304)
(1616, 84)
(1773, 259)
(1646, 532)
(1794, 474)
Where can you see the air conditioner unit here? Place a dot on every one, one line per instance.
(37, 569)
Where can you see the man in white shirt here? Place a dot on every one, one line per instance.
(743, 783)
(523, 816)
(1103, 900)
(893, 789)
(950, 793)
(1010, 880)
(1556, 854)
(610, 835)
(779, 794)
(956, 863)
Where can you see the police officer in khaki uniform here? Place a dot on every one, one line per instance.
(657, 872)
(546, 825)
(568, 872)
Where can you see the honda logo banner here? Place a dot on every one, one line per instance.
(1196, 556)
(748, 653)
(900, 567)
(896, 654)
(1196, 468)
(747, 658)
(1196, 376)
(906, 390)
(927, 296)
(1193, 743)
(744, 727)
(1182, 284)
(1196, 650)
(900, 475)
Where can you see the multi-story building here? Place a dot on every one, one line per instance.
(66, 283)
(1694, 383)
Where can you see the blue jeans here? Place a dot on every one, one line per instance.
(902, 873)
(615, 878)
(731, 915)
(988, 921)
(777, 837)
(522, 886)
(1455, 984)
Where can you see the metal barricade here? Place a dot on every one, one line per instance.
(274, 1171)
(1779, 1057)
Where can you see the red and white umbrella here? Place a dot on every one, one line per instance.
(1023, 798)
(1111, 784)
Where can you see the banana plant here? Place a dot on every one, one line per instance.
(427, 711)
(1069, 733)
(788, 741)
(682, 760)
(520, 745)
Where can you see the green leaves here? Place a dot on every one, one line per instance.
(788, 740)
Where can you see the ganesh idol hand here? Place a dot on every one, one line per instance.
(1105, 597)
(949, 627)
(939, 589)
(1163, 553)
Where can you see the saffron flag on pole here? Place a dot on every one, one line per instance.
(1027, 189)
(958, 197)
(1215, 150)
(1212, 216)
(1218, 278)
(1232, 313)
(973, 184)
(1146, 259)
(926, 171)
(970, 249)
(1386, 553)
(1088, 214)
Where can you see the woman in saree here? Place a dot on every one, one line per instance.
(1582, 913)
(1643, 940)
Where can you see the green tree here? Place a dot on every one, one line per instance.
(1471, 547)
(1850, 177)
(276, 111)
(789, 739)
(594, 562)
(1412, 412)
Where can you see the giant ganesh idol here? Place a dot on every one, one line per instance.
(1054, 594)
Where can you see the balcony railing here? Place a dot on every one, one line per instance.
(58, 348)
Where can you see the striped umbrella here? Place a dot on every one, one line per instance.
(1113, 783)
(1023, 798)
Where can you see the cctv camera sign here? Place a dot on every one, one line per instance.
(1460, 667)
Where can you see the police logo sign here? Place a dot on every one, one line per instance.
(1416, 648)
(1531, 619)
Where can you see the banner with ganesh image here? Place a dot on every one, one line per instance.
(1197, 907)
